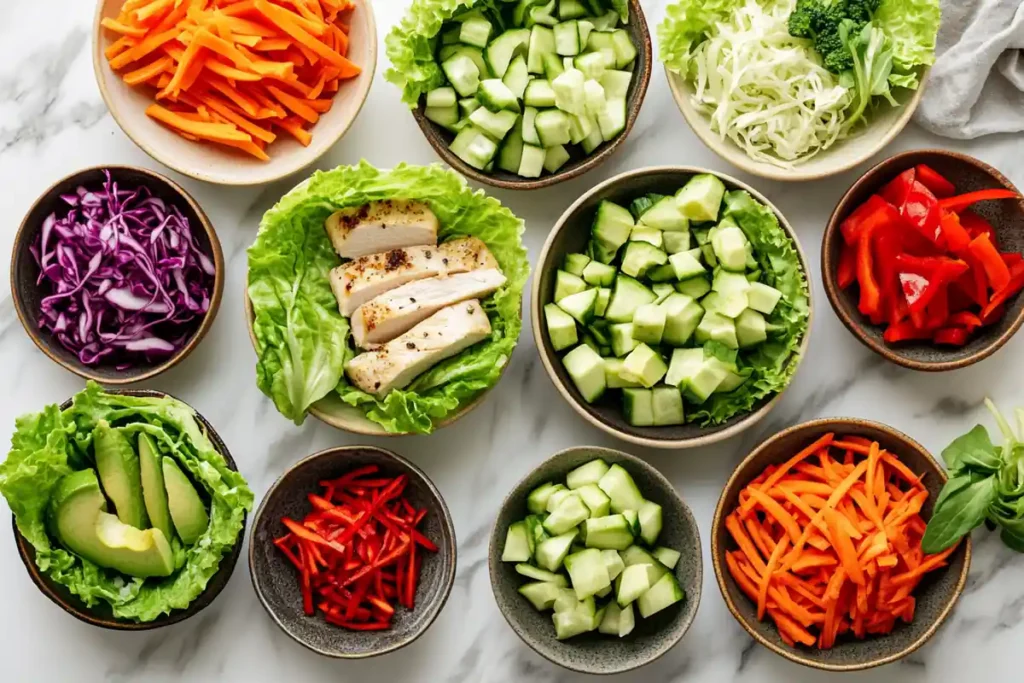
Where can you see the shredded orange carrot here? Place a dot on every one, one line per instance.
(234, 72)
(829, 543)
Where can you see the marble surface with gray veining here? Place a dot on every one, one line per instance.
(52, 122)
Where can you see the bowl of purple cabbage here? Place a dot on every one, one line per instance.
(117, 274)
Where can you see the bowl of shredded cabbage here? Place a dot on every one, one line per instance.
(798, 89)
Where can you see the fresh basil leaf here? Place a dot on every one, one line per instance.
(973, 449)
(959, 513)
(952, 486)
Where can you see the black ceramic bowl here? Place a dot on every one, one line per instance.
(101, 615)
(593, 652)
(936, 595)
(276, 581)
(1007, 218)
(27, 295)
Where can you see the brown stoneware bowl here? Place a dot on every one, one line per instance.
(936, 594)
(101, 615)
(570, 235)
(439, 138)
(594, 653)
(1006, 216)
(277, 583)
(27, 295)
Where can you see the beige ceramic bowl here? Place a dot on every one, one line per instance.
(210, 163)
(844, 155)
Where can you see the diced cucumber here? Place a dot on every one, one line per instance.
(542, 42)
(694, 287)
(580, 305)
(556, 498)
(662, 273)
(476, 31)
(625, 51)
(627, 622)
(552, 127)
(612, 120)
(570, 512)
(569, 624)
(666, 556)
(586, 368)
(595, 499)
(639, 257)
(537, 574)
(730, 305)
(537, 501)
(575, 263)
(571, 9)
(708, 254)
(588, 473)
(594, 64)
(503, 49)
(532, 163)
(650, 513)
(517, 544)
(446, 117)
(566, 601)
(585, 26)
(633, 582)
(496, 96)
(677, 241)
(555, 157)
(468, 105)
(605, 21)
(541, 594)
(566, 284)
(539, 93)
(611, 532)
(701, 197)
(542, 13)
(594, 140)
(645, 364)
(662, 291)
(600, 39)
(594, 97)
(570, 92)
(633, 519)
(451, 36)
(553, 67)
(612, 225)
(622, 490)
(442, 97)
(649, 323)
(551, 552)
(751, 328)
(462, 73)
(682, 315)
(613, 563)
(705, 380)
(685, 266)
(567, 38)
(716, 327)
(517, 76)
(652, 236)
(665, 593)
(616, 83)
(730, 245)
(474, 147)
(599, 274)
(616, 376)
(587, 572)
(665, 215)
(627, 297)
(561, 327)
(610, 623)
(580, 127)
(495, 124)
(732, 381)
(510, 154)
(763, 298)
(726, 282)
(685, 364)
(529, 129)
(604, 295)
(635, 555)
(622, 340)
(667, 405)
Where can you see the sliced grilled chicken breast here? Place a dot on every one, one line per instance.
(444, 334)
(395, 312)
(381, 226)
(358, 281)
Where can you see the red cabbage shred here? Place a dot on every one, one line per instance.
(126, 282)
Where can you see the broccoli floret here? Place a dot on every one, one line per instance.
(820, 22)
(803, 17)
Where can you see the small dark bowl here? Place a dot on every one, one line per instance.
(1006, 216)
(440, 138)
(569, 235)
(24, 271)
(936, 595)
(276, 581)
(594, 653)
(101, 615)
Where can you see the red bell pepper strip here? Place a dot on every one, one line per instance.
(921, 209)
(997, 272)
(922, 278)
(305, 534)
(952, 336)
(994, 306)
(904, 331)
(934, 181)
(896, 190)
(956, 237)
(875, 209)
(962, 201)
(937, 312)
(846, 274)
(975, 225)
(1011, 259)
(965, 319)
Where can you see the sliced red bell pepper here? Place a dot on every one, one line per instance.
(962, 201)
(896, 190)
(975, 225)
(937, 311)
(875, 209)
(921, 209)
(846, 274)
(997, 272)
(993, 311)
(951, 336)
(964, 319)
(888, 246)
(870, 295)
(904, 331)
(954, 234)
(934, 181)
(1011, 259)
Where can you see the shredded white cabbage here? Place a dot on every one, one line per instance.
(765, 89)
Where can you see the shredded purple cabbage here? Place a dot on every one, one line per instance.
(127, 281)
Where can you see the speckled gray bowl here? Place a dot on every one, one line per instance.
(594, 653)
(276, 581)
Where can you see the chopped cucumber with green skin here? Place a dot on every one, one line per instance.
(662, 273)
(495, 124)
(517, 76)
(604, 296)
(505, 49)
(633, 583)
(649, 324)
(517, 544)
(476, 31)
(665, 215)
(561, 327)
(497, 96)
(611, 229)
(726, 282)
(587, 572)
(567, 38)
(665, 593)
(676, 241)
(586, 368)
(580, 305)
(640, 257)
(621, 488)
(532, 163)
(575, 264)
(474, 146)
(667, 556)
(611, 532)
(555, 157)
(537, 574)
(571, 9)
(701, 198)
(615, 375)
(599, 274)
(540, 94)
(542, 41)
(594, 97)
(566, 283)
(569, 92)
(685, 364)
(616, 83)
(553, 67)
(763, 298)
(610, 623)
(695, 287)
(595, 499)
(566, 601)
(650, 515)
(642, 233)
(447, 117)
(667, 406)
(682, 316)
(716, 327)
(730, 305)
(627, 296)
(613, 563)
(685, 266)
(751, 328)
(627, 622)
(537, 501)
(612, 120)
(622, 339)
(586, 474)
(552, 126)
(442, 97)
(730, 245)
(552, 552)
(541, 594)
(638, 406)
(529, 127)
(581, 127)
(645, 364)
(662, 291)
(463, 73)
(570, 512)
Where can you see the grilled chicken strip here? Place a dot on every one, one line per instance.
(397, 311)
(444, 334)
(381, 226)
(359, 281)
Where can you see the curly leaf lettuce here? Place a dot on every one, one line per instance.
(50, 444)
(769, 366)
(685, 26)
(289, 287)
(912, 27)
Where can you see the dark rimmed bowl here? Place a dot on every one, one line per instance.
(1006, 216)
(439, 138)
(276, 581)
(594, 653)
(570, 234)
(936, 595)
(101, 615)
(24, 271)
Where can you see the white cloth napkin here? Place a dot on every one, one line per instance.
(976, 86)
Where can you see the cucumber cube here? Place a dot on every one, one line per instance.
(539, 93)
(611, 532)
(695, 287)
(701, 198)
(552, 126)
(726, 282)
(604, 295)
(442, 97)
(541, 594)
(666, 556)
(684, 365)
(463, 73)
(665, 593)
(621, 488)
(649, 324)
(566, 284)
(751, 328)
(612, 225)
(730, 245)
(594, 97)
(537, 501)
(599, 274)
(615, 375)
(716, 327)
(588, 473)
(763, 298)
(632, 518)
(613, 563)
(667, 406)
(586, 368)
(517, 544)
(610, 623)
(495, 124)
(685, 266)
(662, 291)
(476, 31)
(676, 241)
(638, 407)
(616, 83)
(627, 296)
(730, 305)
(555, 157)
(561, 327)
(552, 551)
(587, 572)
(682, 315)
(622, 338)
(642, 233)
(575, 263)
(567, 38)
(646, 364)
(626, 621)
(569, 92)
(580, 305)
(595, 500)
(569, 624)
(625, 51)
(633, 583)
(705, 380)
(665, 215)
(570, 512)
(650, 516)
(640, 257)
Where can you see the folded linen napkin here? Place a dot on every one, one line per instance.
(976, 86)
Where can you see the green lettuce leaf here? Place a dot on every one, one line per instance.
(288, 266)
(686, 22)
(50, 444)
(912, 27)
(771, 365)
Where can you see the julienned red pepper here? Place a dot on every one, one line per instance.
(870, 295)
(874, 210)
(962, 201)
(1015, 284)
(846, 274)
(956, 237)
(934, 181)
(975, 225)
(997, 272)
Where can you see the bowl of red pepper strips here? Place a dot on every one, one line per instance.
(353, 552)
(922, 260)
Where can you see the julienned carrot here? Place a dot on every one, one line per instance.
(829, 543)
(266, 64)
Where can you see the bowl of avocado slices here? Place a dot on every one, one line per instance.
(671, 306)
(128, 508)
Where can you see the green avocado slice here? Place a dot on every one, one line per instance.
(153, 489)
(118, 467)
(187, 510)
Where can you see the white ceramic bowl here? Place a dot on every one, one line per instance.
(209, 162)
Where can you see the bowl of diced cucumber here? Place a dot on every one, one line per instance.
(595, 561)
(536, 91)
(671, 306)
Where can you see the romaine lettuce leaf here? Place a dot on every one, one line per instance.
(771, 365)
(288, 285)
(50, 444)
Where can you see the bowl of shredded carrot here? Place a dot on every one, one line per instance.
(816, 545)
(235, 92)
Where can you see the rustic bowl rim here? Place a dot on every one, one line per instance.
(851, 320)
(401, 463)
(99, 63)
(592, 161)
(26, 231)
(727, 149)
(536, 311)
(80, 611)
(722, 578)
(690, 520)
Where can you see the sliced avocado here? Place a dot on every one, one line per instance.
(153, 489)
(84, 527)
(118, 467)
(187, 510)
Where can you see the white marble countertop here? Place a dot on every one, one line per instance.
(52, 122)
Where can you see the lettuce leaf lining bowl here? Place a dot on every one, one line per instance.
(302, 342)
(210, 574)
